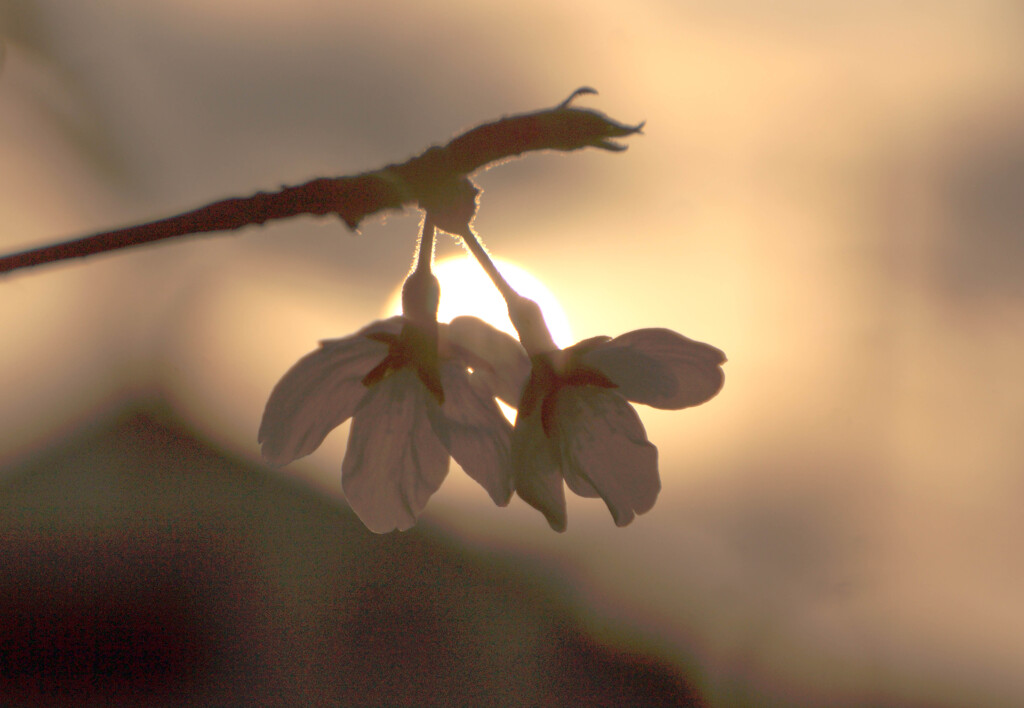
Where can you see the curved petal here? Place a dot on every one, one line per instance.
(394, 461)
(477, 435)
(535, 470)
(498, 358)
(604, 448)
(660, 368)
(319, 393)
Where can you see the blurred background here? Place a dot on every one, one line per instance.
(831, 192)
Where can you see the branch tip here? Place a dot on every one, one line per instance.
(581, 91)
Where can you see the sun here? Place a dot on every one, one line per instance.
(466, 290)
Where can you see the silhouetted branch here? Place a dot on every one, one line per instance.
(436, 181)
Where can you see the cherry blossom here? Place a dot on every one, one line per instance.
(403, 431)
(575, 422)
(407, 384)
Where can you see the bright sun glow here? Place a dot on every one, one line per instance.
(466, 290)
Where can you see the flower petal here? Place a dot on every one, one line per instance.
(477, 435)
(604, 447)
(394, 461)
(660, 368)
(535, 469)
(495, 357)
(319, 393)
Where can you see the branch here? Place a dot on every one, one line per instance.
(437, 181)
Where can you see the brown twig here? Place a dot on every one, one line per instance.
(437, 181)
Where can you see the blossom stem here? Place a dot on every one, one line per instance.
(475, 247)
(425, 247)
(524, 313)
(421, 292)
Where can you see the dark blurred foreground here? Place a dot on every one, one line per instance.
(142, 567)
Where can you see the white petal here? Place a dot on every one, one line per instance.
(392, 325)
(319, 393)
(476, 433)
(660, 368)
(535, 469)
(494, 356)
(604, 447)
(394, 461)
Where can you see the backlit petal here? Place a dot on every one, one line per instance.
(495, 357)
(394, 461)
(660, 368)
(604, 447)
(319, 393)
(475, 432)
(535, 470)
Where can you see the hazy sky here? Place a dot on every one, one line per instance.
(830, 192)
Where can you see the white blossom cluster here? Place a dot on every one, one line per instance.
(421, 392)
